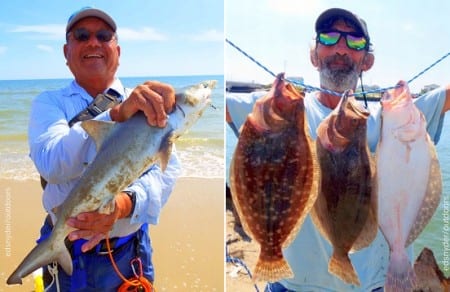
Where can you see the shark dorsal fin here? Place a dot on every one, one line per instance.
(98, 130)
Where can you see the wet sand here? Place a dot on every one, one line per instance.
(240, 247)
(188, 241)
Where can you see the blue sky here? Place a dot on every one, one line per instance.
(157, 38)
(407, 36)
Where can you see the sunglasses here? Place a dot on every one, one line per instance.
(83, 35)
(353, 40)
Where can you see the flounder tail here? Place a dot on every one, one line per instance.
(400, 275)
(272, 271)
(341, 266)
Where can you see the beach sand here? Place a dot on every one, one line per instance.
(240, 247)
(188, 241)
(429, 276)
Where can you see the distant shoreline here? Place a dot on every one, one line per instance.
(70, 78)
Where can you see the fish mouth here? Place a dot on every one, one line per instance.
(396, 97)
(359, 109)
(348, 100)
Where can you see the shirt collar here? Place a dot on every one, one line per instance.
(75, 89)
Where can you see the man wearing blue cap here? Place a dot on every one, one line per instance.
(341, 53)
(60, 148)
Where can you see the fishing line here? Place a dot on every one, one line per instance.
(238, 261)
(137, 283)
(309, 87)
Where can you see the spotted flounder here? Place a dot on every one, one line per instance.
(345, 210)
(408, 181)
(274, 176)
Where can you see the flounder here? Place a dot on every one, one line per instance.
(429, 276)
(274, 176)
(408, 180)
(345, 210)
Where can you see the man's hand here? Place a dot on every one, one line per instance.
(154, 98)
(96, 226)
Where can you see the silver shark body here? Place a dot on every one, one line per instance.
(124, 151)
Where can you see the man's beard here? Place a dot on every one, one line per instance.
(338, 80)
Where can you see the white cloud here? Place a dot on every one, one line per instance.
(45, 48)
(294, 7)
(211, 35)
(144, 34)
(44, 32)
(408, 26)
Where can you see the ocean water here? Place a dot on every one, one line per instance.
(436, 236)
(201, 150)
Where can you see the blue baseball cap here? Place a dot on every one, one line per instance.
(326, 19)
(90, 12)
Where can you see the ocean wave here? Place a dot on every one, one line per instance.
(196, 161)
(17, 166)
(200, 163)
(8, 93)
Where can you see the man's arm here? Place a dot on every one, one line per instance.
(447, 100)
(153, 189)
(57, 150)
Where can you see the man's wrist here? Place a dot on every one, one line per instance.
(132, 197)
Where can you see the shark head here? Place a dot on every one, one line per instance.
(191, 102)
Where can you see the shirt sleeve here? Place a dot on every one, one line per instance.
(240, 105)
(153, 189)
(58, 151)
(431, 105)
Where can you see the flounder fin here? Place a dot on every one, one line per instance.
(234, 196)
(341, 266)
(98, 130)
(370, 230)
(313, 193)
(400, 275)
(431, 199)
(272, 271)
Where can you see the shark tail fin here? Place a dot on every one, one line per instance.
(42, 254)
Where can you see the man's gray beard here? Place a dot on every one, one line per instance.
(338, 80)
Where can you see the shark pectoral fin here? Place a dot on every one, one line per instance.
(65, 261)
(164, 151)
(98, 130)
(108, 207)
(165, 156)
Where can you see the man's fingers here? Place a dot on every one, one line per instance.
(154, 108)
(80, 233)
(153, 98)
(166, 91)
(92, 242)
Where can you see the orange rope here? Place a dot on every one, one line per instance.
(136, 282)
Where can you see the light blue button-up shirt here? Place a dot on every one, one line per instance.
(61, 153)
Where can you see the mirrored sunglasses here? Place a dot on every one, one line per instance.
(353, 40)
(83, 35)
